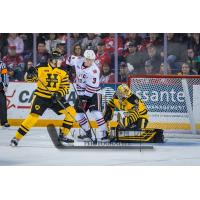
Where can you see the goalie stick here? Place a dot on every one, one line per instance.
(88, 145)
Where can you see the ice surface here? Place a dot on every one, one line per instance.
(36, 149)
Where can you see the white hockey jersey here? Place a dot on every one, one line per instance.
(74, 60)
(88, 80)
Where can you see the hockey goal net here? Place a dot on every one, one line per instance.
(173, 102)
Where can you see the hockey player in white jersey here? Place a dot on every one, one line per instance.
(89, 96)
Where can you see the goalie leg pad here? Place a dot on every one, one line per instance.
(145, 135)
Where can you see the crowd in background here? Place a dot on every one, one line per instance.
(138, 53)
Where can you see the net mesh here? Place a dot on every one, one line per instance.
(173, 102)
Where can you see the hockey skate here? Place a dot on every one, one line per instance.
(86, 137)
(106, 137)
(14, 142)
(65, 139)
(6, 125)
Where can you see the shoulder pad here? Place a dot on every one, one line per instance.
(42, 65)
(115, 96)
(133, 99)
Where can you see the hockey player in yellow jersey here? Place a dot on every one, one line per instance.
(52, 86)
(135, 111)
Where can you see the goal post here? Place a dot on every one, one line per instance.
(173, 101)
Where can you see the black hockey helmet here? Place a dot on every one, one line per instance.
(55, 55)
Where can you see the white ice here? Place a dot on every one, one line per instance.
(36, 149)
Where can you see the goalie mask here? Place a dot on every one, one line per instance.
(123, 92)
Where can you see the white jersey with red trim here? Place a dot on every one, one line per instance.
(77, 62)
(74, 60)
(88, 80)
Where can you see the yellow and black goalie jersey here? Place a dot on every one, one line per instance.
(134, 107)
(55, 79)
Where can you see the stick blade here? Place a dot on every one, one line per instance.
(54, 136)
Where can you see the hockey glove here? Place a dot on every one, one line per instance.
(71, 72)
(56, 97)
(31, 74)
(123, 121)
(83, 104)
(108, 115)
(32, 71)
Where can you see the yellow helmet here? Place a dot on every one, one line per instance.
(123, 92)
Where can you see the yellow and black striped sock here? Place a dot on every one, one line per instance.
(66, 126)
(26, 125)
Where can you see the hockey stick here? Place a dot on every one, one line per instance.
(85, 113)
(60, 103)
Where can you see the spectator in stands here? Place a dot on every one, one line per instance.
(123, 72)
(61, 37)
(102, 56)
(28, 65)
(194, 43)
(15, 40)
(76, 55)
(42, 54)
(107, 75)
(51, 42)
(135, 59)
(75, 39)
(28, 42)
(193, 60)
(176, 52)
(165, 69)
(77, 50)
(90, 41)
(154, 58)
(15, 64)
(152, 39)
(186, 70)
(148, 68)
(132, 37)
(110, 43)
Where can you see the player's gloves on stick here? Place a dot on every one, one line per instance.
(56, 97)
(72, 72)
(83, 103)
(108, 115)
(32, 71)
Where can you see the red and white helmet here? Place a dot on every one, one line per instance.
(89, 54)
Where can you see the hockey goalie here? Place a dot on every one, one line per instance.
(132, 119)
